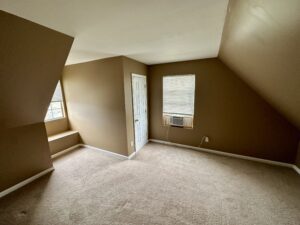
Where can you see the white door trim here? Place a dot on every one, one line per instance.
(138, 75)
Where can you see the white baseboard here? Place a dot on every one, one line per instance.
(296, 168)
(132, 155)
(44, 172)
(65, 151)
(116, 155)
(24, 182)
(229, 154)
(31, 179)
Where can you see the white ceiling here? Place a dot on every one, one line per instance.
(150, 31)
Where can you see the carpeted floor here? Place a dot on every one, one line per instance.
(162, 185)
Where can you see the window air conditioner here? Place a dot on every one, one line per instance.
(176, 121)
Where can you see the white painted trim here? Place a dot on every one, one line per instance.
(296, 168)
(229, 154)
(65, 151)
(116, 155)
(25, 182)
(139, 75)
(44, 172)
(132, 155)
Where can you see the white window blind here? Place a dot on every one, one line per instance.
(56, 107)
(179, 94)
(178, 99)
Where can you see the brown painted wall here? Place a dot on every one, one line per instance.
(32, 58)
(130, 66)
(261, 43)
(94, 93)
(236, 119)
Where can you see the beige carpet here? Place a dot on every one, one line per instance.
(162, 185)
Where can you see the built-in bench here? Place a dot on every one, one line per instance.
(63, 141)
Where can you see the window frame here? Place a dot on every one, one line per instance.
(62, 103)
(164, 114)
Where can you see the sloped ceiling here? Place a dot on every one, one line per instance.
(32, 59)
(261, 42)
(150, 31)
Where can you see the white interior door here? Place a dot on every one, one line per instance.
(139, 97)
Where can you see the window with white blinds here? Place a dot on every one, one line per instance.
(179, 98)
(56, 107)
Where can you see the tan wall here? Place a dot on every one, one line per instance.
(24, 153)
(261, 42)
(94, 93)
(57, 126)
(32, 58)
(236, 119)
(63, 143)
(129, 67)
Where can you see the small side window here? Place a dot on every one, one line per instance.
(56, 107)
(178, 100)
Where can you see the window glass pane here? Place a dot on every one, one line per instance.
(55, 105)
(55, 110)
(179, 94)
(57, 96)
(57, 113)
(49, 115)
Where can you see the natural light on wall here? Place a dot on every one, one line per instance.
(56, 107)
(178, 100)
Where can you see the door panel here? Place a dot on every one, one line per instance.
(139, 97)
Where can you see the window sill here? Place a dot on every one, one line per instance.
(53, 120)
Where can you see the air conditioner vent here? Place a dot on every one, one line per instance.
(176, 121)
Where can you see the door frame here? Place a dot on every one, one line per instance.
(133, 119)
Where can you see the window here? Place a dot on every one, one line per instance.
(178, 100)
(56, 107)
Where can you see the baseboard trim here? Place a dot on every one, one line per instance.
(25, 182)
(116, 155)
(44, 172)
(229, 154)
(65, 151)
(132, 155)
(296, 168)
